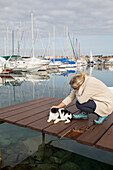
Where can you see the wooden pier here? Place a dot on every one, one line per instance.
(34, 115)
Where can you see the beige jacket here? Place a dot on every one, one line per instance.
(95, 90)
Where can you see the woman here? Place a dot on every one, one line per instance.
(93, 96)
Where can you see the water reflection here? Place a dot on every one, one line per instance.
(16, 88)
(18, 143)
(47, 157)
(17, 79)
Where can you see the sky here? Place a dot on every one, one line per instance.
(88, 21)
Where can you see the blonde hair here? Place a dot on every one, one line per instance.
(77, 80)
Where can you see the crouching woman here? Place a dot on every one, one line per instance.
(92, 95)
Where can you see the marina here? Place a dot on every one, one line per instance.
(13, 59)
(42, 46)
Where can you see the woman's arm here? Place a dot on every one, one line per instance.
(67, 100)
(70, 98)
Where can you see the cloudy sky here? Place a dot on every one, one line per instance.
(90, 21)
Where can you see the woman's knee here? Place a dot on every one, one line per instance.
(78, 104)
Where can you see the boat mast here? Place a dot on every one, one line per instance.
(79, 51)
(49, 45)
(1, 45)
(64, 41)
(91, 56)
(67, 39)
(18, 43)
(7, 49)
(32, 34)
(37, 41)
(54, 42)
(5, 45)
(48, 49)
(12, 42)
(73, 42)
(76, 49)
(20, 39)
(24, 41)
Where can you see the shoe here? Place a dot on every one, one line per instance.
(80, 115)
(99, 120)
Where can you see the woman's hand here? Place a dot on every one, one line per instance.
(54, 107)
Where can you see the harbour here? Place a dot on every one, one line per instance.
(43, 44)
(17, 57)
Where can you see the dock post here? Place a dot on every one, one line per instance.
(43, 138)
(0, 160)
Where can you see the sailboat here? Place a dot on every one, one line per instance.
(31, 63)
(34, 63)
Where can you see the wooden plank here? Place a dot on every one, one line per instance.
(37, 106)
(30, 105)
(32, 118)
(28, 113)
(79, 124)
(93, 134)
(73, 135)
(55, 129)
(64, 129)
(27, 117)
(40, 124)
(35, 117)
(16, 106)
(78, 128)
(106, 142)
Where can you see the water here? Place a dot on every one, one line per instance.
(17, 143)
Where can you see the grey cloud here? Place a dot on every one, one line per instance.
(83, 17)
(54, 12)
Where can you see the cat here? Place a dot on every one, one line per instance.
(57, 115)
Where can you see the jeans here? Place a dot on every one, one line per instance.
(88, 107)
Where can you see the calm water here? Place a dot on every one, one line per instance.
(17, 143)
